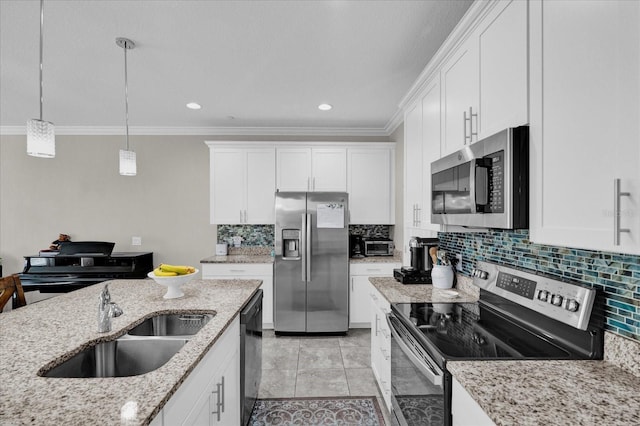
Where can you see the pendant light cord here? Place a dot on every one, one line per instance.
(126, 95)
(41, 43)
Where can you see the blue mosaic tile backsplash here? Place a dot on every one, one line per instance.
(252, 235)
(617, 276)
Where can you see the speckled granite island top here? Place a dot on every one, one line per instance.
(396, 292)
(39, 334)
(238, 258)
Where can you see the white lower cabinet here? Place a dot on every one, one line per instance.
(360, 288)
(246, 271)
(381, 343)
(211, 393)
(465, 411)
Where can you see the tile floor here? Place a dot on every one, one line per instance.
(307, 366)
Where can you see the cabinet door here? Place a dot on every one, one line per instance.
(430, 149)
(227, 186)
(227, 398)
(413, 165)
(293, 169)
(370, 186)
(329, 169)
(359, 306)
(503, 54)
(465, 411)
(459, 79)
(585, 117)
(261, 186)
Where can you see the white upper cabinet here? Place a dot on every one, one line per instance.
(413, 166)
(370, 185)
(585, 124)
(312, 169)
(503, 54)
(242, 184)
(484, 80)
(459, 77)
(431, 144)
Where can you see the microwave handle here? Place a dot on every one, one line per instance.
(479, 183)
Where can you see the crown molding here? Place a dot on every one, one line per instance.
(206, 131)
(459, 35)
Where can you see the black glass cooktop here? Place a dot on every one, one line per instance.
(473, 331)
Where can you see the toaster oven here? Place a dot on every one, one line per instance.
(378, 247)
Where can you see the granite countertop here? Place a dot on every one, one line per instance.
(238, 258)
(551, 392)
(396, 258)
(396, 292)
(40, 334)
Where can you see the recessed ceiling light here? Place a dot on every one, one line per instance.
(193, 105)
(324, 107)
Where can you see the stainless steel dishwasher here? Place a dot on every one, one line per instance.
(250, 354)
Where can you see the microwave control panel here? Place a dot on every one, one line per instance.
(496, 182)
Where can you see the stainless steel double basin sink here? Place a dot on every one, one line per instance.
(144, 348)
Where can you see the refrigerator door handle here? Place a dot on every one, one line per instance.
(303, 248)
(307, 246)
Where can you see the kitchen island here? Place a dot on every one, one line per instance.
(44, 334)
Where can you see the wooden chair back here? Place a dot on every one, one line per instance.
(8, 286)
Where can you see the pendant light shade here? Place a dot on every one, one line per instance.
(41, 138)
(128, 165)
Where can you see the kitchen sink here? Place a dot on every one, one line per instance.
(126, 356)
(171, 325)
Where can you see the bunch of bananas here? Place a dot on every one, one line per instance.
(165, 270)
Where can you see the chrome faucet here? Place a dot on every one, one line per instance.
(106, 310)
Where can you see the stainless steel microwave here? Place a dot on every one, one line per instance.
(485, 184)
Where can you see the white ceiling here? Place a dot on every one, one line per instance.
(251, 64)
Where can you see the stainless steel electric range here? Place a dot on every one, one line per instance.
(520, 315)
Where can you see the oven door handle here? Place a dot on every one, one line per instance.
(431, 372)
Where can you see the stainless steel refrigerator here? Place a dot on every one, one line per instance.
(311, 286)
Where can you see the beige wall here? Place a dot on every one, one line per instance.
(80, 193)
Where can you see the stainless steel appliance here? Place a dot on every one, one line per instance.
(520, 316)
(486, 184)
(311, 283)
(250, 355)
(421, 263)
(378, 247)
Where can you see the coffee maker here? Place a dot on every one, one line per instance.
(356, 246)
(421, 264)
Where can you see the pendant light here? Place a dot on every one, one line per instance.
(41, 138)
(127, 157)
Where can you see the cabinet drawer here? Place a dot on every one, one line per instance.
(210, 270)
(373, 269)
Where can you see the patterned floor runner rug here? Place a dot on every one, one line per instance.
(317, 411)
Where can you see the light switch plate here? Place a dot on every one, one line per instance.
(459, 264)
(136, 241)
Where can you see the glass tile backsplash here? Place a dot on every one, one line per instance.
(616, 275)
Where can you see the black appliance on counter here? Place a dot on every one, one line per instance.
(356, 246)
(520, 316)
(421, 264)
(81, 264)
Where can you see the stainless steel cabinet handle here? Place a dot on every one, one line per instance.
(374, 270)
(240, 216)
(464, 125)
(237, 271)
(616, 212)
(222, 395)
(377, 320)
(471, 132)
(218, 404)
(351, 285)
(314, 184)
(308, 184)
(418, 215)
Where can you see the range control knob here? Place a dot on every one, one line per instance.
(572, 305)
(543, 295)
(556, 300)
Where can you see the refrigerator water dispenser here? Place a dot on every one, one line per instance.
(290, 244)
